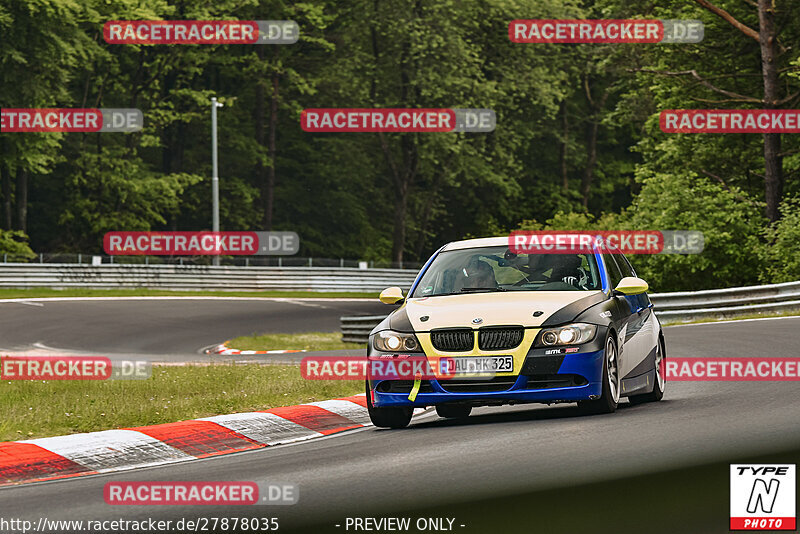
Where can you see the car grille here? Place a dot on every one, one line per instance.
(478, 385)
(453, 340)
(500, 338)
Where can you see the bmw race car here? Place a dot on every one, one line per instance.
(518, 328)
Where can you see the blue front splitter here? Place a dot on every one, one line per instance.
(589, 365)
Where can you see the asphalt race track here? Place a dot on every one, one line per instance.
(165, 328)
(550, 453)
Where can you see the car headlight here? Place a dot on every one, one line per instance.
(571, 334)
(389, 341)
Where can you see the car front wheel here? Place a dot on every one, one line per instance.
(607, 403)
(394, 417)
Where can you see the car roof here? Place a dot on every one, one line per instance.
(496, 242)
(475, 243)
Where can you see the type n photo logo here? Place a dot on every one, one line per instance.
(763, 497)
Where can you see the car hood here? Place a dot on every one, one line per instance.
(509, 308)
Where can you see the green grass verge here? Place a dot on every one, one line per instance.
(38, 292)
(52, 408)
(304, 341)
(793, 313)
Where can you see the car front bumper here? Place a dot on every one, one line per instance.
(585, 367)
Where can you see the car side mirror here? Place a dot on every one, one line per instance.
(631, 285)
(392, 295)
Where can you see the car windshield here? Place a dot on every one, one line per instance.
(488, 269)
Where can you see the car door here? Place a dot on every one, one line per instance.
(641, 332)
(628, 306)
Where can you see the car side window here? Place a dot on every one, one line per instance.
(624, 265)
(614, 272)
(641, 301)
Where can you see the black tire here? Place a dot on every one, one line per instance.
(453, 411)
(388, 417)
(660, 379)
(609, 399)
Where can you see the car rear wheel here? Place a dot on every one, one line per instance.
(453, 411)
(607, 403)
(398, 417)
(660, 378)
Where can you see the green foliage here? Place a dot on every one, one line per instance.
(730, 223)
(111, 190)
(14, 246)
(729, 220)
(343, 193)
(781, 255)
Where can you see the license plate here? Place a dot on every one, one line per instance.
(487, 364)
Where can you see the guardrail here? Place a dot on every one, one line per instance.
(687, 306)
(357, 329)
(671, 308)
(201, 277)
(245, 261)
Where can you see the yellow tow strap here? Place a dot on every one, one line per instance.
(414, 390)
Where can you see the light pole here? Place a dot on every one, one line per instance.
(214, 172)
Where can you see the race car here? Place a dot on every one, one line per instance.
(517, 328)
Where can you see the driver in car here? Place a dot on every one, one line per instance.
(477, 274)
(563, 267)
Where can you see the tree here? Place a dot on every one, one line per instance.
(777, 88)
(42, 47)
